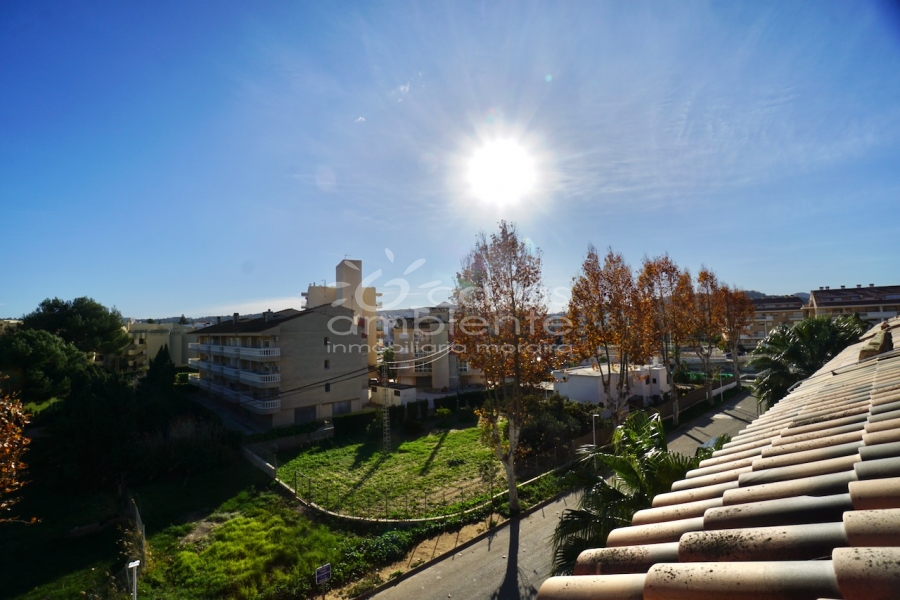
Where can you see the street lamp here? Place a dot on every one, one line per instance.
(594, 427)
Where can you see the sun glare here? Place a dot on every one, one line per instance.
(501, 172)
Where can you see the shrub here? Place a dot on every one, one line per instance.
(443, 413)
(467, 415)
(413, 427)
(354, 424)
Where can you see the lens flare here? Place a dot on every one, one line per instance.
(501, 172)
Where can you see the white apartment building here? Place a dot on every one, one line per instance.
(282, 368)
(585, 384)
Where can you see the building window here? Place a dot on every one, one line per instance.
(654, 380)
(327, 364)
(396, 392)
(327, 387)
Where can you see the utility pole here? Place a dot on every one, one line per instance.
(386, 412)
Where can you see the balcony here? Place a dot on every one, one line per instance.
(215, 388)
(216, 368)
(260, 379)
(216, 349)
(136, 349)
(879, 315)
(231, 395)
(261, 353)
(231, 372)
(232, 350)
(261, 406)
(196, 363)
(194, 346)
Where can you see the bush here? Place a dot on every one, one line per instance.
(443, 413)
(467, 415)
(417, 410)
(413, 427)
(354, 424)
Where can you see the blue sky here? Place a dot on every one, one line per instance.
(202, 158)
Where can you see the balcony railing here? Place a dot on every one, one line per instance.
(231, 395)
(231, 372)
(194, 346)
(260, 406)
(260, 353)
(232, 350)
(196, 363)
(216, 368)
(215, 388)
(216, 348)
(194, 378)
(260, 378)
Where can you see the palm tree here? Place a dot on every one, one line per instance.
(641, 467)
(790, 354)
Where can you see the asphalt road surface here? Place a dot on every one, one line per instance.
(512, 563)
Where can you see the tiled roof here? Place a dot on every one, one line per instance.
(803, 503)
(777, 301)
(855, 296)
(258, 324)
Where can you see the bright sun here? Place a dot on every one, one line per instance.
(501, 172)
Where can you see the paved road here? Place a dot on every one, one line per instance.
(514, 562)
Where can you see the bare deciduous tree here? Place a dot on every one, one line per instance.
(499, 327)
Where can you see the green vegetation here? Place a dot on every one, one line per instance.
(435, 474)
(44, 364)
(82, 322)
(790, 354)
(640, 466)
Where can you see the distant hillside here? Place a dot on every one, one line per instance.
(803, 296)
(754, 295)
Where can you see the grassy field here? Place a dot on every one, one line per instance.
(436, 474)
(226, 535)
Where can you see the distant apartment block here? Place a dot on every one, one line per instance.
(148, 338)
(872, 303)
(287, 367)
(771, 312)
(422, 342)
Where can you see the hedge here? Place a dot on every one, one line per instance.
(354, 424)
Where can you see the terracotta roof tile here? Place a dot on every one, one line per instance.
(804, 503)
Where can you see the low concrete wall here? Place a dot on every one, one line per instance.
(258, 462)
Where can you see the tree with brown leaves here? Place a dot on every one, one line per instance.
(499, 327)
(609, 315)
(13, 445)
(668, 321)
(707, 323)
(737, 315)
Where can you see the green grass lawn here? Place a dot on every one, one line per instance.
(436, 474)
(226, 535)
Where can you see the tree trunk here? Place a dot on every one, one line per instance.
(510, 467)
